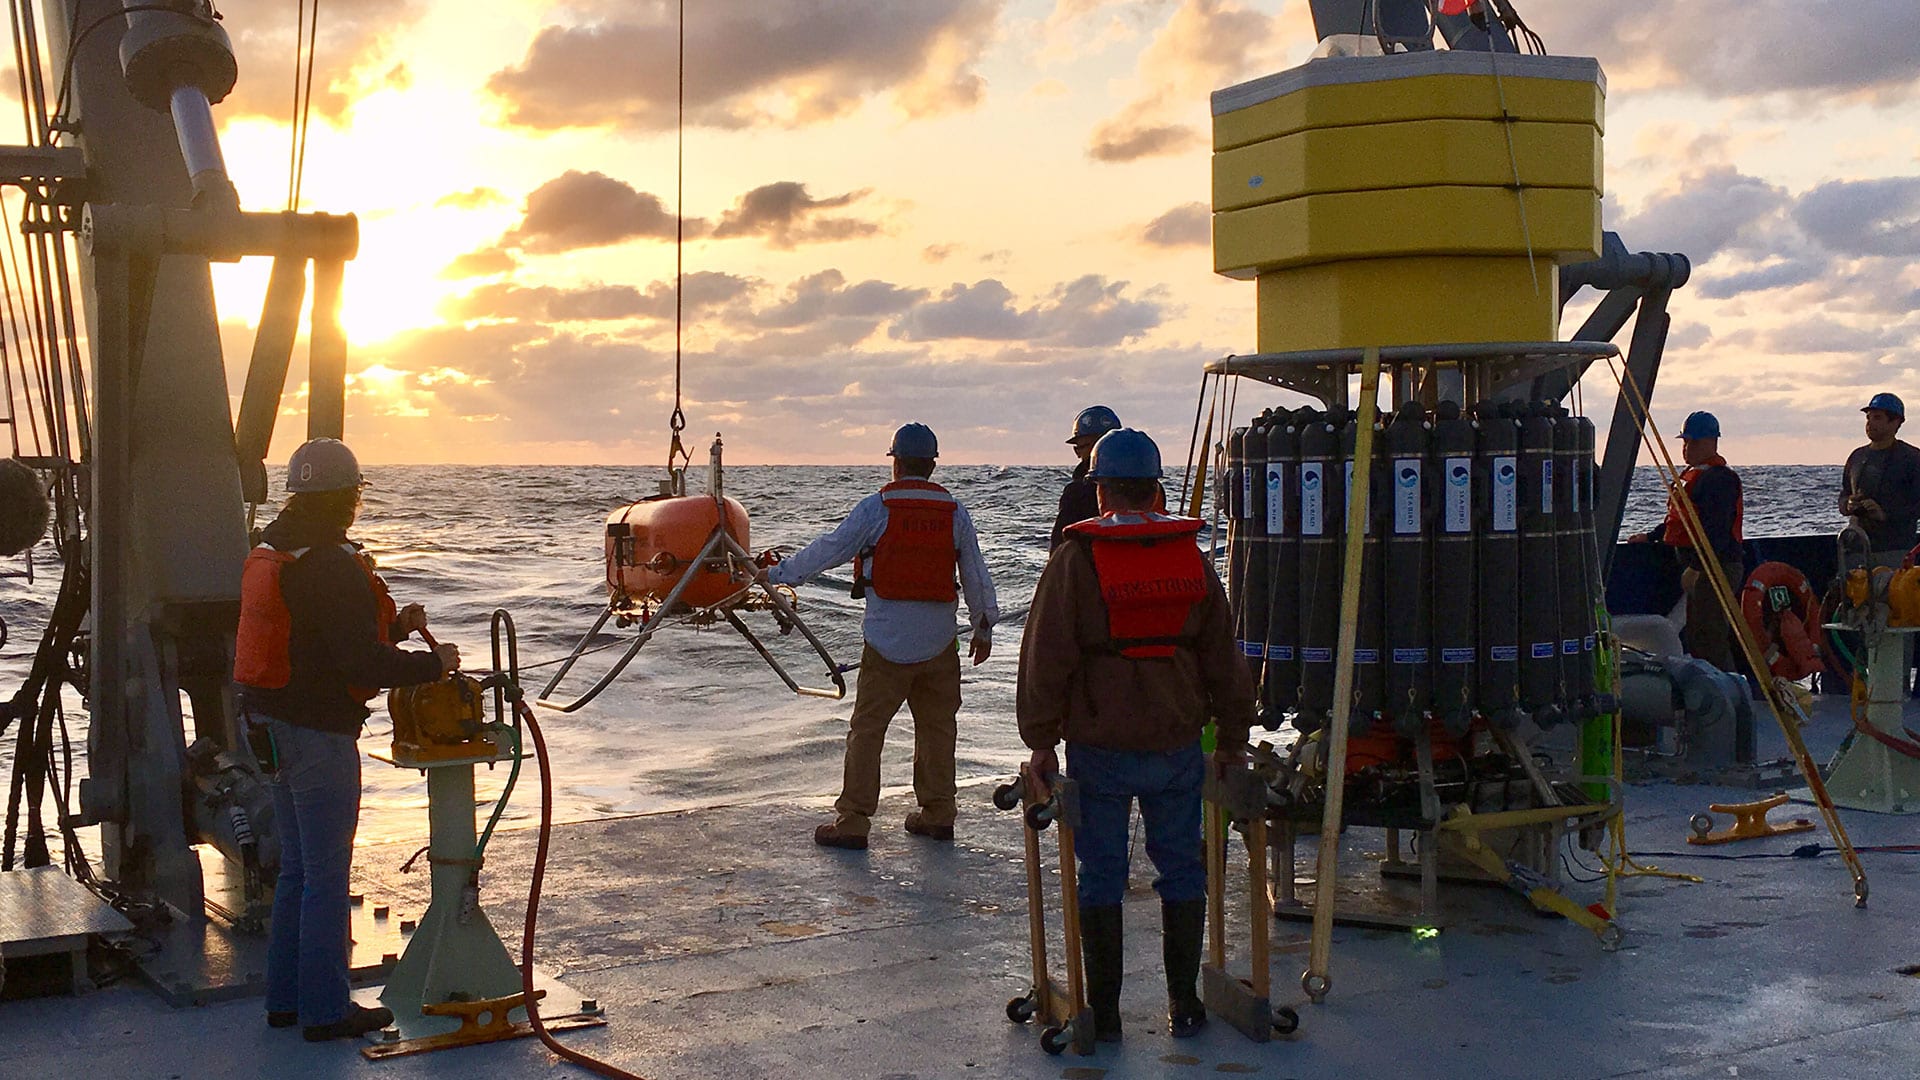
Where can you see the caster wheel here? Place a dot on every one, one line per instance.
(1039, 816)
(1020, 1010)
(1007, 796)
(1701, 824)
(1285, 1020)
(1054, 1040)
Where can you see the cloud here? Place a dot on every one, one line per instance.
(482, 263)
(1736, 48)
(353, 53)
(1127, 137)
(1088, 312)
(591, 209)
(748, 64)
(787, 216)
(1864, 217)
(471, 199)
(584, 303)
(1205, 44)
(1707, 212)
(827, 295)
(1186, 225)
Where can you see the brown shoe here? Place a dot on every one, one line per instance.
(918, 825)
(829, 835)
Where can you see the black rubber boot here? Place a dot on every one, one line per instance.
(1182, 926)
(1101, 936)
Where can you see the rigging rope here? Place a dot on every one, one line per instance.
(676, 450)
(302, 102)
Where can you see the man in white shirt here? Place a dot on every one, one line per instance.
(908, 542)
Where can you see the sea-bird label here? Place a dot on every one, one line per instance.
(1409, 656)
(1457, 509)
(1316, 656)
(1406, 497)
(1366, 656)
(1506, 494)
(1312, 498)
(1246, 495)
(1503, 653)
(1456, 656)
(1546, 486)
(1542, 650)
(1279, 652)
(1276, 503)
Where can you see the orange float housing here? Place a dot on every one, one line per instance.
(653, 543)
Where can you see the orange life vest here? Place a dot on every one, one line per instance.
(262, 646)
(914, 559)
(1151, 575)
(1675, 534)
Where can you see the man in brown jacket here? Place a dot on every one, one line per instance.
(1128, 652)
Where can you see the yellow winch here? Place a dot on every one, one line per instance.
(440, 720)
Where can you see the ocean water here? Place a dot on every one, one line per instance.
(698, 719)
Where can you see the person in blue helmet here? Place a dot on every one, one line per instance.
(908, 541)
(1721, 504)
(1077, 500)
(1880, 486)
(1128, 652)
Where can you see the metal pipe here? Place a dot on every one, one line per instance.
(200, 147)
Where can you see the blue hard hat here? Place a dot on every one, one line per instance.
(1125, 454)
(914, 440)
(1700, 425)
(1889, 404)
(1093, 422)
(323, 465)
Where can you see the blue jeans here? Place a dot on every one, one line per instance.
(316, 807)
(1168, 787)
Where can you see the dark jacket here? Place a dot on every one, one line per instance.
(1890, 477)
(1079, 501)
(1719, 499)
(335, 642)
(1072, 686)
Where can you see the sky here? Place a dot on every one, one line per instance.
(987, 214)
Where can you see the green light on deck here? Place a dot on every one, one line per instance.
(1426, 933)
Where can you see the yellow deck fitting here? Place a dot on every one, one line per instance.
(1559, 225)
(1749, 822)
(1417, 300)
(1419, 86)
(1415, 153)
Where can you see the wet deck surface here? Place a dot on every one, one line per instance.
(724, 944)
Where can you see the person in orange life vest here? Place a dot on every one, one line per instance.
(1718, 499)
(314, 644)
(1077, 500)
(1128, 652)
(907, 543)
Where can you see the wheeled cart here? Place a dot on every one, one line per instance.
(1061, 1011)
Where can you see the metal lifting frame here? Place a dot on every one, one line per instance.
(720, 546)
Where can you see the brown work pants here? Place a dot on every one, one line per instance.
(931, 691)
(1707, 634)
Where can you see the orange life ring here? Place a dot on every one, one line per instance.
(1789, 633)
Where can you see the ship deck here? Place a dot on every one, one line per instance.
(722, 943)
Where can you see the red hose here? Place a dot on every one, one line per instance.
(585, 1061)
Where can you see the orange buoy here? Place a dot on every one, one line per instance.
(654, 543)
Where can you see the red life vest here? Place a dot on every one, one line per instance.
(914, 559)
(1151, 575)
(1675, 534)
(262, 646)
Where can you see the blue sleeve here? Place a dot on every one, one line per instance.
(976, 583)
(862, 527)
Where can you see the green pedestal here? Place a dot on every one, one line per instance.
(454, 954)
(1868, 775)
